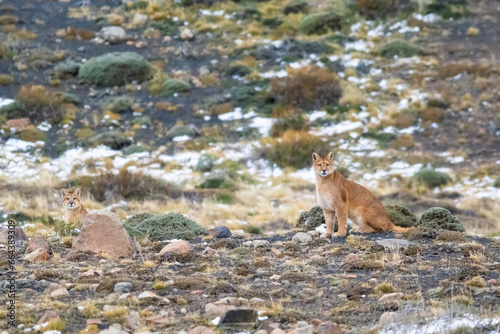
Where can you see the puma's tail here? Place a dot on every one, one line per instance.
(395, 228)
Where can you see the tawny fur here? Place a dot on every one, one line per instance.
(340, 197)
(74, 211)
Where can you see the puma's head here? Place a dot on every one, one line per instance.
(323, 166)
(71, 200)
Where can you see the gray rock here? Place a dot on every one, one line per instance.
(386, 319)
(302, 238)
(393, 243)
(139, 19)
(114, 35)
(123, 287)
(239, 316)
(260, 243)
(390, 300)
(219, 232)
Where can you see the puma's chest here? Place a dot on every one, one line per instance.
(325, 200)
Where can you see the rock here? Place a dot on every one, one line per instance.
(19, 234)
(103, 234)
(220, 307)
(114, 35)
(389, 300)
(256, 301)
(278, 331)
(393, 243)
(386, 319)
(351, 258)
(38, 255)
(139, 19)
(123, 287)
(18, 123)
(187, 34)
(301, 324)
(219, 232)
(178, 247)
(302, 238)
(260, 243)
(114, 329)
(133, 320)
(60, 293)
(239, 316)
(36, 243)
(47, 316)
(201, 330)
(309, 329)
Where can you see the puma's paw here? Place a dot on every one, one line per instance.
(355, 230)
(338, 234)
(325, 235)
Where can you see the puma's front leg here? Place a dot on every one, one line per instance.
(329, 219)
(342, 221)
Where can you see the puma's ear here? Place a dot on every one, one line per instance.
(64, 192)
(315, 156)
(330, 156)
(77, 192)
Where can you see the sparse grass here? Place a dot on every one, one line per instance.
(385, 287)
(431, 178)
(40, 104)
(477, 282)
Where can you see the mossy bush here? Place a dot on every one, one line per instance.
(440, 219)
(65, 70)
(399, 48)
(448, 9)
(401, 216)
(431, 178)
(173, 86)
(321, 23)
(238, 69)
(134, 148)
(296, 6)
(115, 69)
(166, 26)
(40, 104)
(296, 123)
(118, 104)
(309, 87)
(374, 9)
(343, 171)
(163, 227)
(309, 220)
(293, 149)
(32, 134)
(205, 163)
(13, 110)
(215, 183)
(124, 185)
(6, 79)
(496, 184)
(84, 133)
(253, 230)
(180, 130)
(113, 139)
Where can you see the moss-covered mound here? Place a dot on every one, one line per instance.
(162, 227)
(431, 178)
(399, 48)
(440, 219)
(115, 69)
(118, 104)
(311, 219)
(401, 216)
(173, 86)
(113, 139)
(320, 23)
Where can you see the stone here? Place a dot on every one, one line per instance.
(178, 247)
(351, 258)
(187, 34)
(393, 243)
(386, 319)
(114, 329)
(301, 324)
(18, 123)
(38, 255)
(302, 238)
(239, 316)
(36, 243)
(278, 331)
(19, 234)
(219, 232)
(201, 330)
(103, 234)
(256, 301)
(47, 316)
(123, 287)
(389, 300)
(309, 329)
(114, 35)
(260, 243)
(214, 310)
(139, 19)
(60, 293)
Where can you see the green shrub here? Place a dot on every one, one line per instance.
(448, 9)
(205, 163)
(32, 134)
(113, 139)
(163, 227)
(40, 104)
(343, 171)
(309, 220)
(180, 130)
(401, 216)
(375, 9)
(118, 104)
(309, 87)
(225, 199)
(166, 26)
(215, 183)
(238, 69)
(321, 22)
(383, 138)
(440, 219)
(13, 110)
(296, 6)
(84, 133)
(6, 79)
(253, 230)
(496, 184)
(64, 229)
(67, 69)
(134, 149)
(297, 123)
(399, 48)
(173, 86)
(293, 149)
(115, 69)
(431, 178)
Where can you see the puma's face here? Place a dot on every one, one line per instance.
(323, 166)
(71, 200)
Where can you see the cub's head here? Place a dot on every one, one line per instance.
(323, 166)
(71, 200)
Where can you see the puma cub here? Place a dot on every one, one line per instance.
(339, 196)
(74, 212)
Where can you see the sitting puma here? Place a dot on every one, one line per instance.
(74, 212)
(339, 196)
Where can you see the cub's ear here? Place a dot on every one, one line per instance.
(315, 156)
(77, 192)
(64, 192)
(330, 156)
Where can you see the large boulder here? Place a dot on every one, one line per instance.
(114, 35)
(178, 247)
(103, 234)
(115, 69)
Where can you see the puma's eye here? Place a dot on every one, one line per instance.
(320, 165)
(327, 165)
